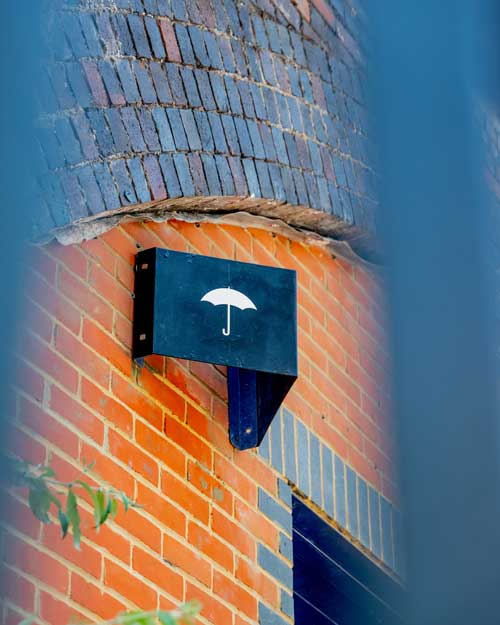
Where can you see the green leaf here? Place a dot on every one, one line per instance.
(73, 517)
(39, 500)
(47, 472)
(88, 467)
(64, 521)
(166, 618)
(26, 621)
(99, 508)
(114, 507)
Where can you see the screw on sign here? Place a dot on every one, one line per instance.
(228, 297)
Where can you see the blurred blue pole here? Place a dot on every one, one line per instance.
(432, 62)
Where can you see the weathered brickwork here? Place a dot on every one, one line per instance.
(159, 99)
(215, 522)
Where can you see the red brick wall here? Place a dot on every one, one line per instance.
(160, 433)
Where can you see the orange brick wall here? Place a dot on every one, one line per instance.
(160, 432)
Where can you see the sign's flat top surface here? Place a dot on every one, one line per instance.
(225, 312)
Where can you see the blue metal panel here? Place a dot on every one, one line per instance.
(334, 582)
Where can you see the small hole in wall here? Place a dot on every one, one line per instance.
(197, 224)
(142, 337)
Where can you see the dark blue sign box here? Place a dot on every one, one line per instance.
(223, 312)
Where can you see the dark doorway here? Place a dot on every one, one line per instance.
(334, 582)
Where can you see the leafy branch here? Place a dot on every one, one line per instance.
(184, 614)
(45, 490)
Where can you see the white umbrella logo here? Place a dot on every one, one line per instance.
(228, 297)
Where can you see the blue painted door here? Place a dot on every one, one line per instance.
(334, 583)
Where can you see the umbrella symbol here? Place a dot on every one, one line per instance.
(228, 297)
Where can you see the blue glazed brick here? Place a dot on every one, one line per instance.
(232, 14)
(291, 148)
(386, 522)
(328, 490)
(267, 140)
(279, 144)
(284, 40)
(128, 81)
(91, 190)
(155, 37)
(191, 129)
(190, 86)
(205, 90)
(289, 446)
(179, 10)
(346, 205)
(163, 129)
(218, 133)
(198, 42)
(123, 181)
(293, 77)
(374, 503)
(324, 194)
(246, 98)
(303, 458)
(352, 502)
(244, 17)
(225, 176)
(239, 58)
(266, 187)
(160, 83)
(73, 193)
(258, 146)
(277, 181)
(184, 175)
(364, 521)
(275, 511)
(276, 567)
(258, 101)
(111, 82)
(198, 174)
(211, 44)
(295, 116)
(300, 187)
(219, 92)
(146, 88)
(284, 113)
(204, 130)
(233, 95)
(267, 67)
(121, 27)
(286, 547)
(315, 455)
(239, 179)
(154, 176)
(211, 174)
(288, 184)
(102, 132)
(253, 64)
(272, 35)
(298, 48)
(177, 128)
(175, 82)
(78, 85)
(133, 128)
(136, 25)
(276, 444)
(68, 141)
(316, 161)
(251, 177)
(89, 30)
(312, 189)
(52, 190)
(260, 32)
(185, 46)
(230, 132)
(170, 176)
(285, 492)
(306, 86)
(268, 617)
(287, 603)
(340, 504)
(149, 131)
(107, 185)
(227, 54)
(243, 136)
(265, 447)
(305, 160)
(74, 34)
(120, 135)
(271, 107)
